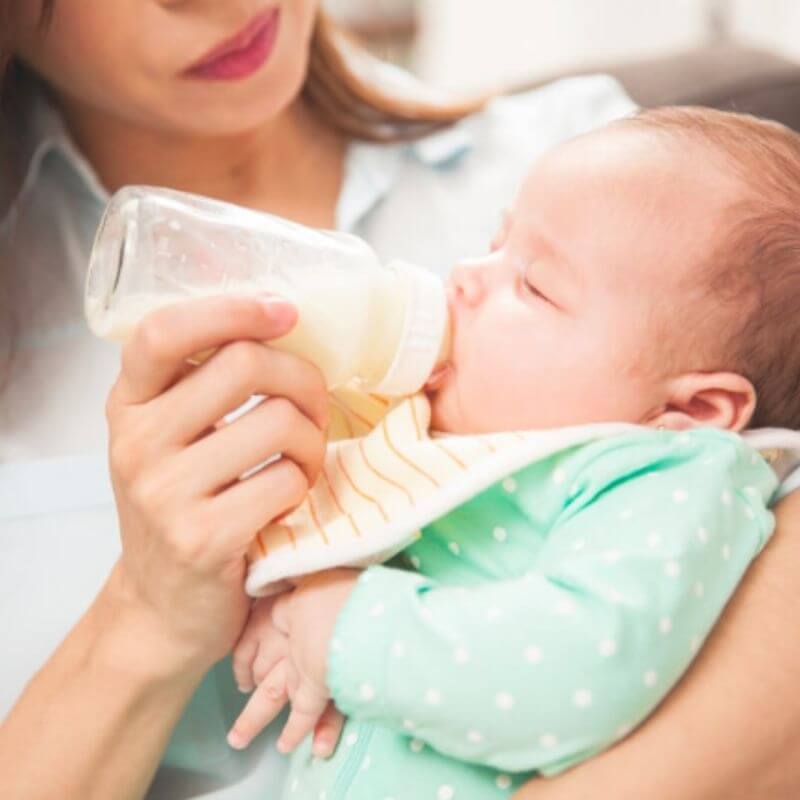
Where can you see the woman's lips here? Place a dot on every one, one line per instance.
(243, 54)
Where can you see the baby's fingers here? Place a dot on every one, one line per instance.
(327, 732)
(242, 660)
(263, 706)
(308, 706)
(260, 647)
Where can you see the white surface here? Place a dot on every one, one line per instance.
(772, 24)
(466, 44)
(477, 46)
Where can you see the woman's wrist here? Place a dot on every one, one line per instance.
(131, 637)
(116, 685)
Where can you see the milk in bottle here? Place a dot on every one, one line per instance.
(384, 326)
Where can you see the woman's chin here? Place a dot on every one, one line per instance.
(211, 109)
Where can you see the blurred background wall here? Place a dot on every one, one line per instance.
(486, 44)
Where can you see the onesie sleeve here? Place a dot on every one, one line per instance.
(543, 670)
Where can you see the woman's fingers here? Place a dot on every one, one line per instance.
(274, 428)
(156, 352)
(264, 705)
(246, 507)
(231, 377)
(327, 732)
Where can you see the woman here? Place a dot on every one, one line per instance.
(258, 103)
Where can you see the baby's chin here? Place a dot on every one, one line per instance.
(445, 417)
(441, 424)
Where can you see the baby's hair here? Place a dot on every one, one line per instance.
(755, 268)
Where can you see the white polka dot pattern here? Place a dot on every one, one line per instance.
(548, 741)
(582, 698)
(503, 781)
(607, 647)
(500, 534)
(504, 700)
(366, 691)
(618, 601)
(433, 697)
(510, 485)
(533, 654)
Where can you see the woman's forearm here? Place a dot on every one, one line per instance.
(95, 720)
(731, 729)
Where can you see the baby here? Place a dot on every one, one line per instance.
(649, 273)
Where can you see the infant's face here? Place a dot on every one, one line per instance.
(563, 322)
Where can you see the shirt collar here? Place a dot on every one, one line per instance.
(371, 169)
(42, 134)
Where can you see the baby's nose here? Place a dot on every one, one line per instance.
(467, 279)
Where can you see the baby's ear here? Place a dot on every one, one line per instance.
(707, 400)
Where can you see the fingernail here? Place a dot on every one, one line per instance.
(282, 747)
(280, 310)
(321, 747)
(274, 301)
(236, 740)
(245, 689)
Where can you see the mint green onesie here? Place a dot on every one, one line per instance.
(538, 623)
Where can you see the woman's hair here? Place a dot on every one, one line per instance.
(340, 87)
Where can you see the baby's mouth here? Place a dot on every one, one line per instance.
(438, 377)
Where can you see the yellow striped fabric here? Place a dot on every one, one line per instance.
(386, 475)
(386, 464)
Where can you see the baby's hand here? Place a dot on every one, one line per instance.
(259, 663)
(260, 647)
(283, 652)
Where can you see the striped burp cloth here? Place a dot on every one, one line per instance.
(385, 481)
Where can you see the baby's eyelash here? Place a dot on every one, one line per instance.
(528, 287)
(531, 289)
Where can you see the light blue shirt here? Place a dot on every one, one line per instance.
(431, 202)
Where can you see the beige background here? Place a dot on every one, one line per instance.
(479, 44)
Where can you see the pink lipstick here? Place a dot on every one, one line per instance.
(241, 55)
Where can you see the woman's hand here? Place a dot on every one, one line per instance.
(186, 517)
(174, 603)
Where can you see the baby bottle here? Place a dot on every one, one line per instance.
(385, 326)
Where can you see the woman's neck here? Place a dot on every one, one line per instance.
(292, 166)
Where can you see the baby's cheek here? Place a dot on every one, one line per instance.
(443, 410)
